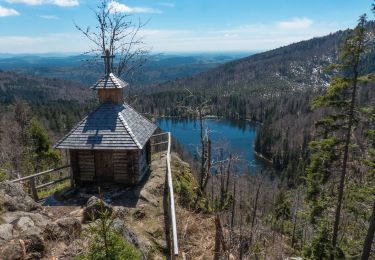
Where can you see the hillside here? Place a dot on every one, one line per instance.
(274, 88)
(250, 87)
(40, 90)
(294, 67)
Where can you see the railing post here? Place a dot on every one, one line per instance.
(34, 192)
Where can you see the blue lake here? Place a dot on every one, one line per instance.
(231, 136)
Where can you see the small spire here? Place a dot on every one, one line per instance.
(108, 61)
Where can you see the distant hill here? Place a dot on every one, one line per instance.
(295, 66)
(159, 68)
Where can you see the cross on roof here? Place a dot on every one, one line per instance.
(108, 58)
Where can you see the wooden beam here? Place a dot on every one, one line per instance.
(52, 182)
(40, 173)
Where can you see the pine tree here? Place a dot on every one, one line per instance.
(338, 126)
(42, 154)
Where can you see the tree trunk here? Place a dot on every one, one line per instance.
(254, 212)
(228, 176)
(219, 238)
(369, 237)
(203, 148)
(344, 163)
(217, 252)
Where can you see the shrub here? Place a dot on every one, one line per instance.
(107, 243)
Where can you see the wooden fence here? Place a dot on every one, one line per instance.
(162, 142)
(34, 185)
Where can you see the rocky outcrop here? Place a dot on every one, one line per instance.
(25, 226)
(66, 228)
(94, 208)
(29, 247)
(13, 198)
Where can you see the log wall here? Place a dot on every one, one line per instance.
(129, 167)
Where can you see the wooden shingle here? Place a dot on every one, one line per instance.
(110, 127)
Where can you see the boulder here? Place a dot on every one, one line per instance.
(66, 228)
(94, 209)
(33, 246)
(6, 233)
(14, 198)
(23, 224)
(54, 232)
(120, 211)
(11, 250)
(128, 234)
(71, 226)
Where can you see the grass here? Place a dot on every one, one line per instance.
(186, 187)
(45, 192)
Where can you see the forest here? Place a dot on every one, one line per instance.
(315, 102)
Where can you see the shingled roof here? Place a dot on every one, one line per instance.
(110, 126)
(109, 81)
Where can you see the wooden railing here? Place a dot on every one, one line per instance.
(31, 182)
(160, 143)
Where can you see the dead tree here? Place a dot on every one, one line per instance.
(219, 239)
(255, 208)
(205, 150)
(117, 32)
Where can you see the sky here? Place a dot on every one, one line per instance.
(47, 26)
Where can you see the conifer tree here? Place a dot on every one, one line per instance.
(339, 124)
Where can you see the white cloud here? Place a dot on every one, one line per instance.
(62, 42)
(62, 3)
(167, 4)
(122, 8)
(259, 37)
(295, 23)
(254, 37)
(49, 17)
(8, 12)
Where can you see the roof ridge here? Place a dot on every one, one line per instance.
(132, 108)
(125, 124)
(115, 80)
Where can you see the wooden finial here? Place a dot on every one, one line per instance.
(108, 61)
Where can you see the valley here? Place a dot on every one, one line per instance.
(272, 151)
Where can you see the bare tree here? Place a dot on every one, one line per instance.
(204, 152)
(117, 32)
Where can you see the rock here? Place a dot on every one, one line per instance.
(11, 251)
(71, 226)
(54, 232)
(14, 198)
(128, 234)
(120, 211)
(139, 213)
(24, 224)
(6, 232)
(33, 247)
(34, 244)
(94, 207)
(64, 229)
(148, 197)
(132, 238)
(78, 214)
